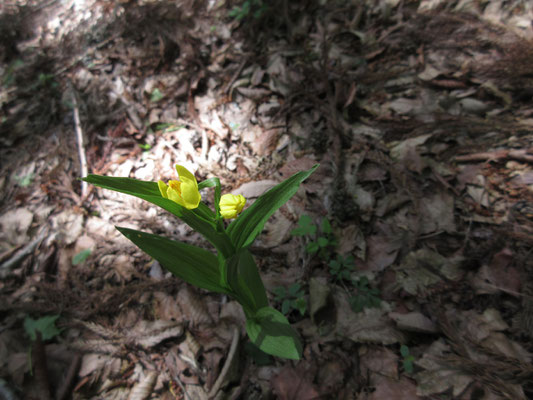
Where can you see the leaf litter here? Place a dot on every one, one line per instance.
(417, 112)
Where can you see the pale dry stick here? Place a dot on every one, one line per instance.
(81, 148)
(6, 267)
(225, 368)
(519, 155)
(182, 386)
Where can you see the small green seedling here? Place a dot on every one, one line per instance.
(323, 243)
(342, 267)
(254, 7)
(26, 180)
(291, 298)
(366, 297)
(81, 257)
(407, 359)
(45, 325)
(156, 95)
(145, 146)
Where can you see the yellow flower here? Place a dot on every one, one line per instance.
(231, 205)
(184, 192)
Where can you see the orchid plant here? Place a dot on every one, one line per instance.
(233, 270)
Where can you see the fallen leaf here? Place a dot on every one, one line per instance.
(414, 322)
(378, 360)
(437, 376)
(392, 389)
(369, 326)
(292, 384)
(15, 225)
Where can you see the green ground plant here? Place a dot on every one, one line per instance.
(320, 239)
(254, 8)
(321, 242)
(365, 296)
(408, 359)
(291, 298)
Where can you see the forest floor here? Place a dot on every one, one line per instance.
(420, 114)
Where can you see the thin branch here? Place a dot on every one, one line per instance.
(498, 155)
(225, 368)
(81, 149)
(182, 386)
(5, 268)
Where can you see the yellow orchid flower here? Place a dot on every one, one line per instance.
(231, 205)
(184, 192)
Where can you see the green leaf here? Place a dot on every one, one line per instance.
(305, 227)
(271, 332)
(245, 282)
(201, 219)
(249, 224)
(404, 350)
(294, 289)
(279, 292)
(286, 306)
(301, 305)
(45, 325)
(322, 241)
(326, 226)
(81, 256)
(194, 265)
(312, 248)
(156, 95)
(260, 357)
(213, 182)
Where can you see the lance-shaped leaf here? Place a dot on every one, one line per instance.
(243, 278)
(249, 224)
(194, 265)
(201, 219)
(270, 331)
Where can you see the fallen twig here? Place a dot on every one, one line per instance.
(67, 383)
(499, 155)
(81, 149)
(5, 268)
(40, 368)
(225, 368)
(182, 386)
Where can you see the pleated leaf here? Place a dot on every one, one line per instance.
(194, 265)
(250, 223)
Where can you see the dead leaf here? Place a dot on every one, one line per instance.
(423, 268)
(15, 225)
(437, 376)
(437, 213)
(498, 275)
(378, 360)
(414, 322)
(150, 333)
(369, 326)
(292, 384)
(382, 251)
(392, 389)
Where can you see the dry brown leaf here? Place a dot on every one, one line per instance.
(437, 376)
(144, 388)
(292, 384)
(378, 361)
(392, 389)
(414, 322)
(370, 326)
(424, 267)
(499, 275)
